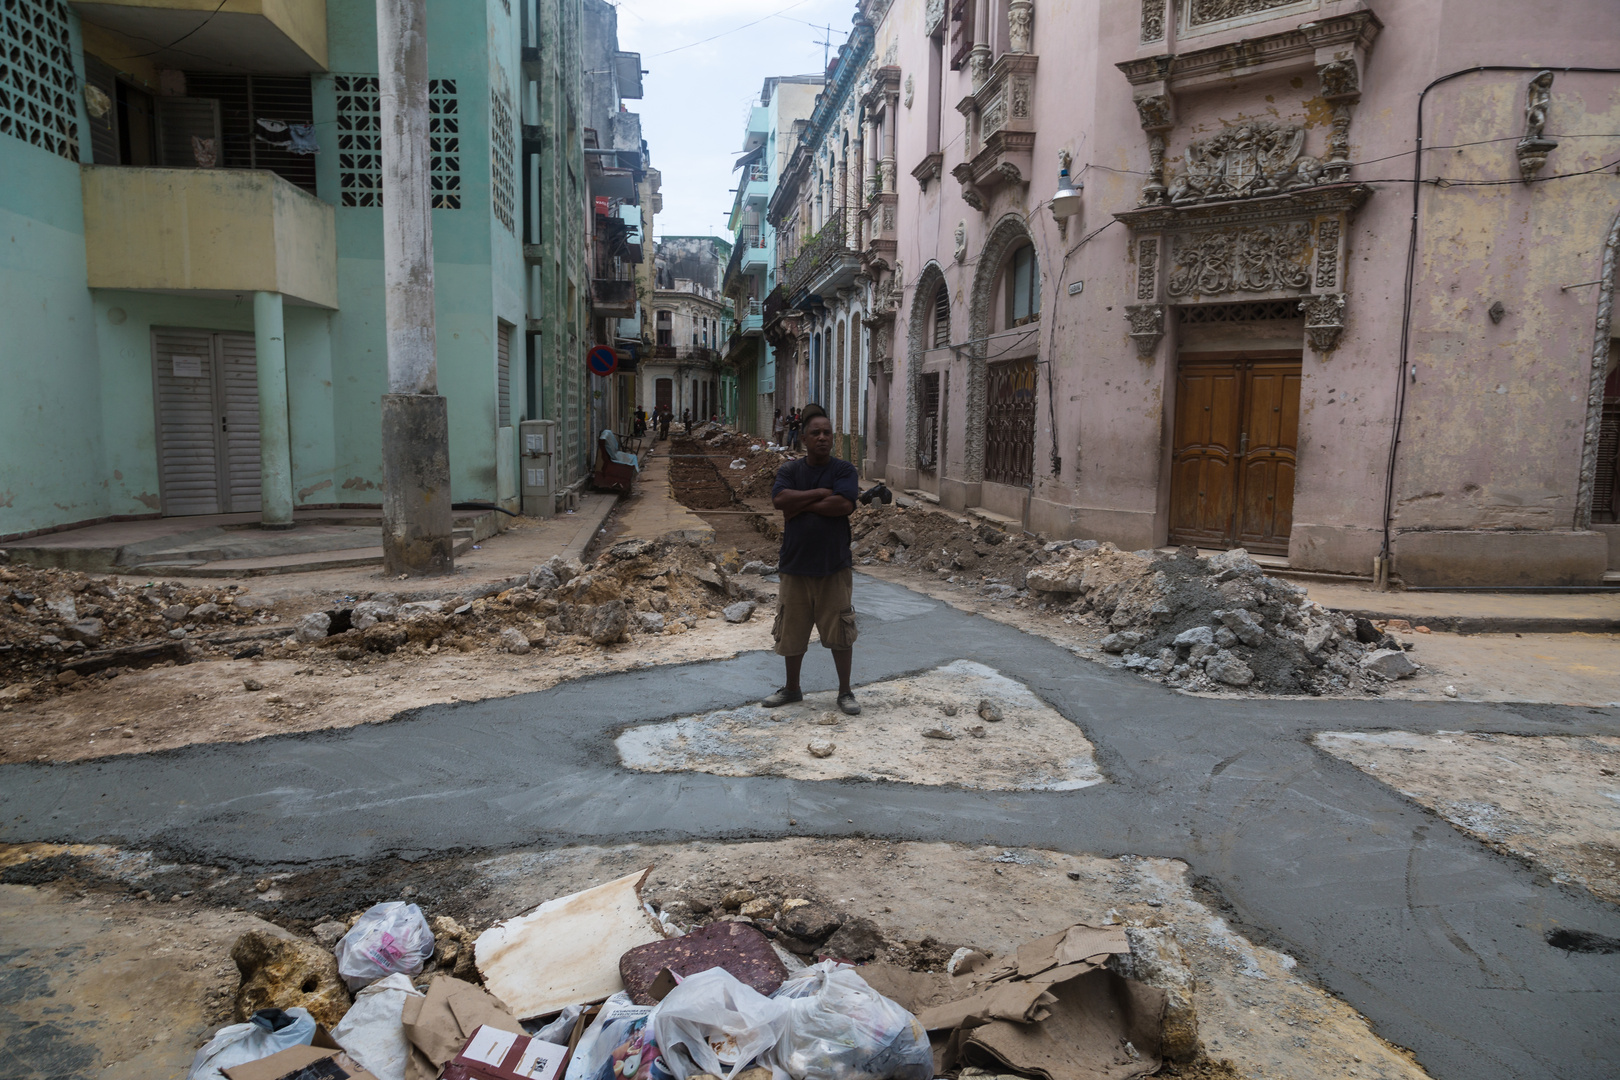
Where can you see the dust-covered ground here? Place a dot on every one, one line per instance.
(1553, 801)
(962, 724)
(84, 934)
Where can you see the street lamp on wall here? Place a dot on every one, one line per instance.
(1066, 200)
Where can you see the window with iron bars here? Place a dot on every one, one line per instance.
(942, 317)
(1009, 437)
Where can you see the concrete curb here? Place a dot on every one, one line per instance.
(1493, 624)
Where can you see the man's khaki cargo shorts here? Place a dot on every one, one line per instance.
(822, 602)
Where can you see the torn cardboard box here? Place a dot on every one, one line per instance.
(439, 1025)
(494, 1054)
(324, 1059)
(567, 950)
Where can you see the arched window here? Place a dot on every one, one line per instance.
(942, 317)
(1021, 285)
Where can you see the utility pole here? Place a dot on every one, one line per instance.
(826, 46)
(417, 536)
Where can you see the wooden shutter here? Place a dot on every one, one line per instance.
(239, 407)
(942, 318)
(188, 448)
(503, 374)
(961, 32)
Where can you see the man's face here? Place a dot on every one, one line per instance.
(818, 436)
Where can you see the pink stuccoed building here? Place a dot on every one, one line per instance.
(1262, 318)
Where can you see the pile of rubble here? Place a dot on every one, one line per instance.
(725, 981)
(56, 622)
(1194, 622)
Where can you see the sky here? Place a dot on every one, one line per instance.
(698, 93)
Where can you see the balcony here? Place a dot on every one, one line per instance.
(757, 185)
(613, 298)
(755, 251)
(219, 232)
(751, 318)
(270, 36)
(1002, 127)
(827, 263)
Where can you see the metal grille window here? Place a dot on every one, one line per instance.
(942, 318)
(1606, 486)
(928, 435)
(1009, 437)
(444, 145)
(502, 151)
(245, 104)
(38, 91)
(1252, 311)
(359, 109)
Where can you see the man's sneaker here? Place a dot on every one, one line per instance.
(847, 702)
(784, 696)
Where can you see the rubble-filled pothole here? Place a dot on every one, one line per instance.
(962, 724)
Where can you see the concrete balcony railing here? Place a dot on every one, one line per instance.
(271, 37)
(207, 230)
(613, 298)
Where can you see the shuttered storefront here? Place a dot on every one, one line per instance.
(207, 392)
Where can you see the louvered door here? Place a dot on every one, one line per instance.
(207, 394)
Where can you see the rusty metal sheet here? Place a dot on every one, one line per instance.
(566, 951)
(737, 947)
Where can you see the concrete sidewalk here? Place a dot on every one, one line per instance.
(1477, 613)
(651, 509)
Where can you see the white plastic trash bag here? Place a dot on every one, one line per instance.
(839, 1028)
(388, 938)
(371, 1031)
(619, 1045)
(714, 1023)
(269, 1032)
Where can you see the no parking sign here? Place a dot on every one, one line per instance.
(602, 360)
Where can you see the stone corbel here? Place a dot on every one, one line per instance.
(1339, 69)
(1147, 327)
(1156, 110)
(1324, 320)
(1533, 149)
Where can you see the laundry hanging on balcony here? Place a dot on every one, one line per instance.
(294, 138)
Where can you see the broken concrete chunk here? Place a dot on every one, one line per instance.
(821, 748)
(754, 566)
(1198, 635)
(278, 973)
(175, 613)
(740, 612)
(630, 549)
(736, 898)
(1155, 959)
(252, 684)
(989, 711)
(938, 733)
(858, 939)
(514, 641)
(649, 622)
(1224, 638)
(607, 623)
(812, 921)
(312, 627)
(1243, 624)
(1058, 577)
(88, 631)
(1122, 640)
(1234, 563)
(1319, 637)
(1224, 667)
(369, 613)
(1389, 664)
(204, 612)
(418, 608)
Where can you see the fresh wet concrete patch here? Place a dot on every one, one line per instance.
(935, 728)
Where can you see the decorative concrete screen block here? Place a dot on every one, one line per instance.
(38, 91)
(502, 155)
(444, 144)
(359, 139)
(360, 144)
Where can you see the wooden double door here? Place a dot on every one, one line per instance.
(1234, 450)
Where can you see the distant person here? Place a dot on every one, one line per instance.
(664, 418)
(686, 418)
(778, 429)
(641, 421)
(816, 494)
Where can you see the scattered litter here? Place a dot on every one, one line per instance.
(618, 1045)
(390, 937)
(492, 1053)
(840, 1028)
(269, 1031)
(736, 947)
(439, 1024)
(567, 950)
(716, 1025)
(373, 1031)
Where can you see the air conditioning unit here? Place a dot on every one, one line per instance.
(927, 442)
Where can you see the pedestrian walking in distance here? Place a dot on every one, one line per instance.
(816, 494)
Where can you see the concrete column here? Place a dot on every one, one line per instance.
(415, 429)
(275, 434)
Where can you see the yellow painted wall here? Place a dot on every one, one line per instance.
(303, 21)
(216, 230)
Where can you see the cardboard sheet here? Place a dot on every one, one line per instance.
(566, 951)
(295, 1059)
(1101, 1027)
(440, 1024)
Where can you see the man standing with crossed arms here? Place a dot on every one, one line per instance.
(816, 494)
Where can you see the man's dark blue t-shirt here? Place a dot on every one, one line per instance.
(814, 545)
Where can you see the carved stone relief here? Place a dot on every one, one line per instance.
(933, 15)
(961, 241)
(1324, 320)
(1020, 16)
(994, 117)
(1156, 112)
(1341, 89)
(911, 90)
(1152, 20)
(1249, 258)
(1535, 146)
(1204, 12)
(1261, 157)
(1147, 327)
(1147, 268)
(1327, 256)
(1020, 99)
